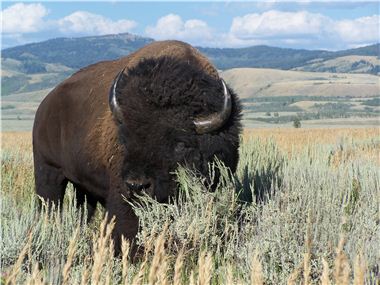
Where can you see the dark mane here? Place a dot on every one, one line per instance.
(133, 142)
(172, 87)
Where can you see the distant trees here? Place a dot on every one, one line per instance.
(296, 122)
(33, 66)
(372, 102)
(12, 84)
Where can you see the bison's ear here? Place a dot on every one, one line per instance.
(217, 120)
(114, 95)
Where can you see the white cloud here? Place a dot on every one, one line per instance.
(23, 18)
(172, 26)
(361, 30)
(277, 24)
(82, 22)
(21, 23)
(302, 29)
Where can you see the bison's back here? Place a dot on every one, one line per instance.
(74, 128)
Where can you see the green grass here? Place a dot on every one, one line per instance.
(309, 195)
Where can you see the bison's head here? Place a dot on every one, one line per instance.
(171, 112)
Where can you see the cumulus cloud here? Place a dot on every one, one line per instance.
(277, 24)
(302, 29)
(21, 23)
(82, 22)
(23, 18)
(361, 30)
(172, 26)
(20, 19)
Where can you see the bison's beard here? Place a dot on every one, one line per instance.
(161, 190)
(164, 190)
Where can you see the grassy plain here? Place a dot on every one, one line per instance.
(302, 208)
(262, 82)
(349, 63)
(270, 98)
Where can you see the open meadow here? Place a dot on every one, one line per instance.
(302, 208)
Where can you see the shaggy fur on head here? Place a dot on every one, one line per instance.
(108, 154)
(170, 87)
(159, 99)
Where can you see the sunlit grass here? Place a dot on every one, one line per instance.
(312, 217)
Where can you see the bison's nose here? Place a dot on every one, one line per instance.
(139, 186)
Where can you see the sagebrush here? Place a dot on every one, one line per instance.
(290, 215)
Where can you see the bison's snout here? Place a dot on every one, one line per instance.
(139, 186)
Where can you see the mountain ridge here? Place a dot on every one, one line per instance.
(78, 52)
(263, 56)
(42, 65)
(82, 51)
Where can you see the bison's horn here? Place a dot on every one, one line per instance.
(113, 96)
(217, 120)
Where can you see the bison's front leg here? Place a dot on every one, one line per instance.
(126, 222)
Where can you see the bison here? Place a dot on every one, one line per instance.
(121, 127)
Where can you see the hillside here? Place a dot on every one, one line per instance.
(37, 66)
(260, 57)
(43, 65)
(74, 52)
(344, 64)
(273, 97)
(17, 78)
(284, 83)
(270, 97)
(79, 52)
(260, 82)
(282, 58)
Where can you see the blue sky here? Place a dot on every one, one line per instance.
(311, 25)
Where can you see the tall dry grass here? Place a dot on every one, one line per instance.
(291, 139)
(292, 214)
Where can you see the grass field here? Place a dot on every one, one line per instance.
(271, 98)
(303, 208)
(262, 82)
(342, 64)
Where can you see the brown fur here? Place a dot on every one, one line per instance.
(76, 139)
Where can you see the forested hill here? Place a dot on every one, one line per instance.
(280, 58)
(79, 52)
(42, 65)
